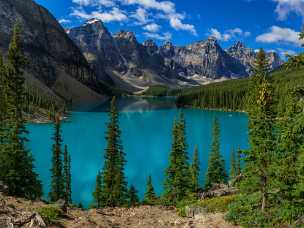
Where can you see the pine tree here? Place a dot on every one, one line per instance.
(238, 162)
(195, 169)
(178, 177)
(216, 173)
(3, 106)
(97, 195)
(233, 167)
(133, 197)
(150, 196)
(261, 132)
(114, 186)
(287, 165)
(17, 165)
(67, 175)
(57, 180)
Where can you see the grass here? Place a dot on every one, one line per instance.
(211, 205)
(50, 214)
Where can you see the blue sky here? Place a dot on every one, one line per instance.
(271, 24)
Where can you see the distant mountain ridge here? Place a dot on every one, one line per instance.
(131, 64)
(56, 66)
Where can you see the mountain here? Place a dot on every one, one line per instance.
(246, 56)
(132, 66)
(56, 67)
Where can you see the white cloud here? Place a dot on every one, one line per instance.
(175, 21)
(279, 35)
(115, 14)
(166, 36)
(147, 11)
(152, 27)
(64, 21)
(107, 3)
(141, 15)
(165, 6)
(286, 7)
(228, 34)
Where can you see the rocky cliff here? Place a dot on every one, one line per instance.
(56, 66)
(135, 66)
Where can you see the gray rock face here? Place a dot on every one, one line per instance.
(146, 64)
(55, 64)
(205, 58)
(247, 56)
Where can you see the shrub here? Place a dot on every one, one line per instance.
(211, 205)
(50, 214)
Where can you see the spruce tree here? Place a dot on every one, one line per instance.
(238, 162)
(57, 180)
(150, 197)
(195, 170)
(114, 186)
(287, 165)
(216, 173)
(261, 133)
(17, 169)
(133, 197)
(67, 175)
(97, 194)
(233, 166)
(3, 106)
(178, 177)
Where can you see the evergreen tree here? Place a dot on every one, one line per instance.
(238, 162)
(17, 163)
(287, 164)
(233, 166)
(195, 170)
(133, 197)
(178, 177)
(150, 196)
(261, 132)
(57, 180)
(97, 195)
(114, 186)
(67, 175)
(3, 107)
(216, 166)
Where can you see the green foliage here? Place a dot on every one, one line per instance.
(216, 165)
(57, 181)
(16, 162)
(233, 166)
(195, 170)
(294, 62)
(67, 176)
(211, 205)
(178, 177)
(113, 186)
(50, 214)
(97, 194)
(133, 199)
(150, 197)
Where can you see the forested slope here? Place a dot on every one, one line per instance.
(231, 95)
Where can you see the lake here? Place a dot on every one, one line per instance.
(146, 126)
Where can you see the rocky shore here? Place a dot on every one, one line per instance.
(17, 212)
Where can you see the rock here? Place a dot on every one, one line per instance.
(56, 67)
(3, 188)
(62, 205)
(191, 212)
(219, 190)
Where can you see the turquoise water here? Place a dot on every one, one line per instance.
(146, 135)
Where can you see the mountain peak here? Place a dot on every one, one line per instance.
(126, 35)
(239, 45)
(93, 21)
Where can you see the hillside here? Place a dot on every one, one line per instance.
(17, 212)
(230, 95)
(55, 66)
